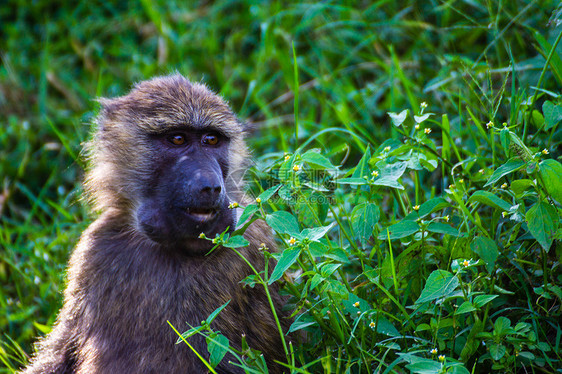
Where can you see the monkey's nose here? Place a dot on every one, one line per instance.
(211, 192)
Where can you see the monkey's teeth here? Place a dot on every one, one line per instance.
(201, 214)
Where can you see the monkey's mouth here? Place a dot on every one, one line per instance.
(201, 215)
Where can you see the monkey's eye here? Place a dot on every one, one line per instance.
(210, 139)
(177, 139)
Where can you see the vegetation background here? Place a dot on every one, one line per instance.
(406, 154)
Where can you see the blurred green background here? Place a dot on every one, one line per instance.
(357, 60)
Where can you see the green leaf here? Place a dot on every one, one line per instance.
(266, 195)
(214, 315)
(489, 199)
(420, 119)
(429, 164)
(487, 250)
(364, 219)
(465, 307)
(552, 114)
(440, 284)
(389, 175)
(285, 192)
(519, 186)
(315, 281)
(283, 222)
(316, 233)
(456, 368)
(497, 351)
(398, 119)
(287, 259)
(472, 342)
(247, 213)
(318, 249)
(335, 286)
(298, 325)
(510, 166)
(352, 181)
(399, 230)
(328, 269)
(388, 182)
(217, 347)
(442, 228)
(424, 367)
(362, 169)
(504, 138)
(527, 355)
(192, 331)
(542, 220)
(482, 300)
(45, 329)
(502, 327)
(314, 158)
(236, 242)
(386, 328)
(430, 206)
(519, 147)
(551, 174)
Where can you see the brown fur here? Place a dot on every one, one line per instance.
(122, 286)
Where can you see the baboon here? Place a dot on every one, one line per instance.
(160, 173)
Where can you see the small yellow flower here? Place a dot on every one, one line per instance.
(358, 312)
(489, 124)
(504, 186)
(427, 130)
(451, 186)
(215, 240)
(292, 241)
(423, 105)
(481, 171)
(375, 173)
(387, 149)
(202, 235)
(372, 325)
(233, 205)
(447, 218)
(433, 351)
(441, 358)
(287, 157)
(461, 180)
(262, 247)
(504, 214)
(356, 304)
(296, 168)
(258, 200)
(416, 207)
(417, 127)
(465, 263)
(544, 151)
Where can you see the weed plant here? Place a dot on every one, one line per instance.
(406, 154)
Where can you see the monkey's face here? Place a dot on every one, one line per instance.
(186, 194)
(161, 156)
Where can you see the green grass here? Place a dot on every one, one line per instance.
(473, 273)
